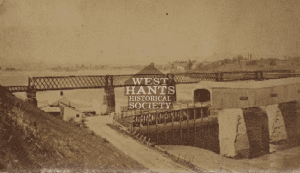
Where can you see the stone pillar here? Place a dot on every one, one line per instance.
(298, 118)
(277, 128)
(109, 94)
(31, 96)
(232, 133)
(256, 121)
(243, 132)
(291, 120)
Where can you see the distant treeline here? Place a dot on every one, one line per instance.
(8, 69)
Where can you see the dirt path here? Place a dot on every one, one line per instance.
(148, 157)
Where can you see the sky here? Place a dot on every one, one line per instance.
(129, 32)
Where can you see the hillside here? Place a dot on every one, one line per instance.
(32, 139)
(228, 65)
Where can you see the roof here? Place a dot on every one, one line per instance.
(63, 100)
(248, 84)
(50, 109)
(146, 72)
(150, 69)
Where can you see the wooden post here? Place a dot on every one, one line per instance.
(140, 121)
(173, 115)
(133, 121)
(156, 117)
(148, 124)
(180, 114)
(194, 122)
(187, 114)
(165, 126)
(202, 130)
(132, 128)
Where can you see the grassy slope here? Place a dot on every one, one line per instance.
(57, 144)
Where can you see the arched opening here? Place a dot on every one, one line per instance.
(201, 95)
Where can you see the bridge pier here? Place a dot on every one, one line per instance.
(109, 94)
(231, 125)
(286, 123)
(251, 132)
(31, 96)
(243, 132)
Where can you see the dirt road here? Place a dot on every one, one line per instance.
(148, 157)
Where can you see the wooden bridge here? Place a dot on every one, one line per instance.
(109, 82)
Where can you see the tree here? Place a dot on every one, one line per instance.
(189, 65)
(200, 65)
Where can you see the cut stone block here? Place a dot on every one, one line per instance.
(232, 133)
(277, 129)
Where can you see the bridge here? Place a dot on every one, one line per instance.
(109, 82)
(243, 119)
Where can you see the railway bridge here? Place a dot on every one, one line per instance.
(109, 82)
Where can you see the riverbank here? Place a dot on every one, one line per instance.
(280, 161)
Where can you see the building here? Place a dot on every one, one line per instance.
(69, 113)
(65, 109)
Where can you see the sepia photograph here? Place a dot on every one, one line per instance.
(149, 86)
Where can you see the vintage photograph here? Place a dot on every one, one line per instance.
(149, 86)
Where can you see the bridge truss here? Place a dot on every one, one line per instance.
(89, 82)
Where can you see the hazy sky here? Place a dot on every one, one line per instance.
(144, 31)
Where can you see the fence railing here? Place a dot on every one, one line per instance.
(184, 121)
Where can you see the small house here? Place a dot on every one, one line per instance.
(67, 109)
(69, 113)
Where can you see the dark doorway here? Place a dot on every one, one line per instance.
(201, 95)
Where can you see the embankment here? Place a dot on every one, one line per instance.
(32, 139)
